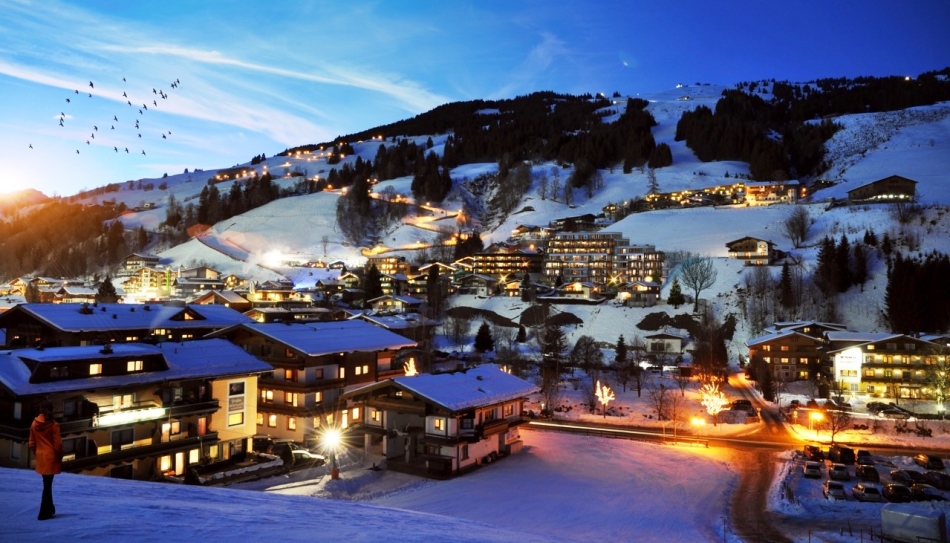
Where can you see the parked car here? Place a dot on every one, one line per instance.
(897, 493)
(833, 489)
(928, 461)
(864, 457)
(303, 457)
(938, 479)
(813, 452)
(866, 492)
(742, 404)
(926, 493)
(907, 477)
(812, 470)
(841, 454)
(839, 472)
(876, 407)
(868, 473)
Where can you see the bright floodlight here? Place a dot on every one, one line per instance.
(331, 439)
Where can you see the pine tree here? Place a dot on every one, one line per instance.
(372, 285)
(621, 351)
(843, 262)
(483, 339)
(522, 334)
(676, 297)
(107, 293)
(786, 294)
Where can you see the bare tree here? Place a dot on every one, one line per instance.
(837, 420)
(568, 194)
(682, 382)
(796, 225)
(659, 400)
(456, 326)
(543, 185)
(653, 186)
(637, 353)
(698, 273)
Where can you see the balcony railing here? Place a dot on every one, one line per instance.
(133, 453)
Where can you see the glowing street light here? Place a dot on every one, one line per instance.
(331, 442)
(815, 419)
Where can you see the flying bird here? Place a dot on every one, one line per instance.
(145, 106)
(116, 149)
(113, 127)
(154, 103)
(123, 80)
(61, 114)
(140, 112)
(129, 102)
(96, 128)
(77, 151)
(87, 142)
(140, 135)
(163, 137)
(143, 151)
(77, 91)
(91, 85)
(177, 82)
(115, 118)
(61, 123)
(67, 100)
(31, 146)
(126, 150)
(153, 91)
(93, 136)
(90, 95)
(124, 95)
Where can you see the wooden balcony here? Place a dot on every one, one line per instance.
(135, 453)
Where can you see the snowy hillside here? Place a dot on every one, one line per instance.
(914, 143)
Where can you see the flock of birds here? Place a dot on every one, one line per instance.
(158, 93)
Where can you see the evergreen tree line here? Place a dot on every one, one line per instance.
(60, 239)
(917, 298)
(844, 264)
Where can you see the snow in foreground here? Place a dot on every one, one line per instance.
(560, 488)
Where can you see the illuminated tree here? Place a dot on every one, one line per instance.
(410, 367)
(605, 395)
(713, 400)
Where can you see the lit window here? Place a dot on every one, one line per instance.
(260, 419)
(134, 365)
(365, 369)
(316, 422)
(194, 455)
(267, 395)
(236, 419)
(164, 463)
(342, 374)
(439, 424)
(291, 423)
(272, 421)
(359, 370)
(290, 399)
(95, 369)
(318, 397)
(175, 427)
(356, 413)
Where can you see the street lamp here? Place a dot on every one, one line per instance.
(331, 442)
(815, 419)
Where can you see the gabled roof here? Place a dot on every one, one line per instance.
(397, 322)
(228, 296)
(845, 340)
(768, 338)
(663, 335)
(409, 300)
(99, 317)
(322, 338)
(480, 386)
(198, 359)
(745, 239)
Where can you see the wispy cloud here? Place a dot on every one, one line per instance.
(537, 62)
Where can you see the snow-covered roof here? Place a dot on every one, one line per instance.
(399, 298)
(479, 386)
(859, 337)
(105, 317)
(206, 358)
(321, 338)
(398, 322)
(768, 338)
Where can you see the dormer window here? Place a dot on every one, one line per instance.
(134, 365)
(95, 369)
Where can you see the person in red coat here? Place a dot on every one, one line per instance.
(46, 444)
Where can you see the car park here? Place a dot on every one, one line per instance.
(813, 452)
(937, 479)
(868, 473)
(929, 461)
(833, 489)
(897, 493)
(839, 472)
(812, 470)
(866, 492)
(926, 493)
(841, 454)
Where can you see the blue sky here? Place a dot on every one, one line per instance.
(257, 78)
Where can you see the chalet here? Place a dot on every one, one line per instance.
(61, 325)
(394, 283)
(389, 264)
(580, 289)
(772, 192)
(479, 285)
(190, 287)
(752, 251)
(671, 344)
(227, 298)
(791, 354)
(69, 294)
(412, 326)
(442, 425)
(464, 265)
(312, 365)
(639, 293)
(134, 261)
(274, 294)
(132, 410)
(295, 314)
(396, 304)
(150, 283)
(890, 189)
(884, 364)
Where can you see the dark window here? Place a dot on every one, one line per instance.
(122, 437)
